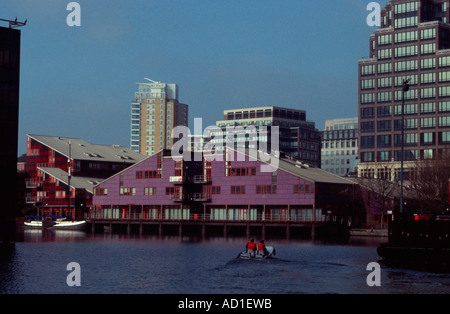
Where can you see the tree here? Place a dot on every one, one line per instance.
(429, 179)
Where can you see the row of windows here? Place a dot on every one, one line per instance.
(410, 124)
(148, 174)
(409, 155)
(412, 94)
(410, 139)
(243, 171)
(426, 63)
(409, 109)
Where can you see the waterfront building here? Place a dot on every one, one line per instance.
(340, 146)
(298, 138)
(413, 44)
(155, 111)
(62, 172)
(9, 119)
(233, 188)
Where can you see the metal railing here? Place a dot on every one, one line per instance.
(184, 216)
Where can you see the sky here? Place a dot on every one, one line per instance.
(80, 81)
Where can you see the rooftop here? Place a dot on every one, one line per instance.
(82, 150)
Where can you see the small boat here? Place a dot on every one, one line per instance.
(55, 223)
(258, 255)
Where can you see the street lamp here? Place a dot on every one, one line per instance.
(405, 88)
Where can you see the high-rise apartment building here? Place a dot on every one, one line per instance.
(154, 113)
(298, 138)
(340, 146)
(413, 43)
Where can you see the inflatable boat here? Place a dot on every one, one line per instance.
(258, 254)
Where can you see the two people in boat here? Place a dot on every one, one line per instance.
(259, 249)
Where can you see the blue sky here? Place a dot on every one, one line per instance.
(80, 81)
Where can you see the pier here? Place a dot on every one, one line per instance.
(203, 225)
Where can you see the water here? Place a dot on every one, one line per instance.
(171, 265)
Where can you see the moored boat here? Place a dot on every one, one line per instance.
(54, 223)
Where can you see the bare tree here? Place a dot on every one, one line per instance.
(429, 179)
(381, 187)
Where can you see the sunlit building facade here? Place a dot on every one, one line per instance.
(413, 43)
(155, 111)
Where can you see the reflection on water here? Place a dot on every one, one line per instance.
(118, 263)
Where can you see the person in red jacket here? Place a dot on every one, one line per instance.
(262, 248)
(251, 246)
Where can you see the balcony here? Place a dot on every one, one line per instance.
(201, 197)
(200, 179)
(177, 179)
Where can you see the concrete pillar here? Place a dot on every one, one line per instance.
(180, 230)
(141, 228)
(225, 230)
(160, 229)
(288, 231)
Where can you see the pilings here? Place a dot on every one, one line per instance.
(248, 229)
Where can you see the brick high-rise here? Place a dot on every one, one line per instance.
(412, 43)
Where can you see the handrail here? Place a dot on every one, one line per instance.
(203, 218)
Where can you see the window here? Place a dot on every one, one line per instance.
(367, 98)
(384, 54)
(410, 65)
(427, 48)
(406, 51)
(405, 37)
(384, 126)
(303, 188)
(428, 107)
(383, 141)
(384, 156)
(150, 191)
(384, 82)
(444, 76)
(384, 68)
(429, 63)
(266, 189)
(444, 122)
(127, 191)
(427, 122)
(148, 174)
(444, 61)
(367, 141)
(444, 91)
(409, 109)
(426, 78)
(368, 84)
(445, 137)
(240, 172)
(384, 97)
(444, 106)
(427, 138)
(428, 33)
(238, 189)
(365, 70)
(367, 157)
(99, 192)
(368, 112)
(211, 190)
(428, 93)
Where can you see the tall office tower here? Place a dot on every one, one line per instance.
(298, 138)
(340, 146)
(413, 43)
(9, 119)
(154, 113)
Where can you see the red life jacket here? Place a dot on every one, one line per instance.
(251, 246)
(260, 246)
